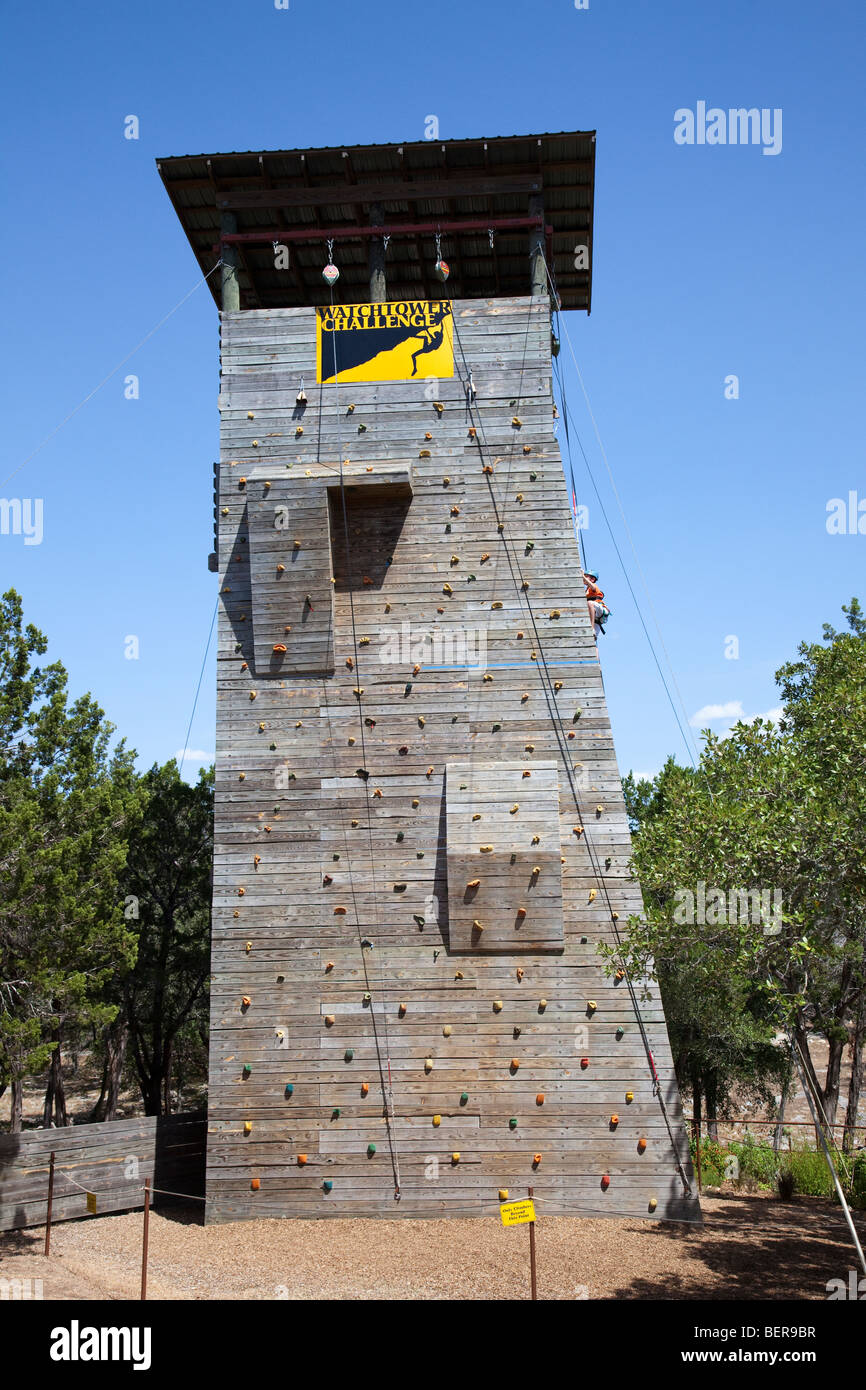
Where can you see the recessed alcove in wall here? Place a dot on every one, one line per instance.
(297, 542)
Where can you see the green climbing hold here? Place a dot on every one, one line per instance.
(327, 1185)
(418, 919)
(349, 1053)
(512, 1123)
(496, 728)
(371, 1149)
(464, 1098)
(532, 477)
(620, 1031)
(289, 1088)
(247, 1069)
(335, 1114)
(400, 837)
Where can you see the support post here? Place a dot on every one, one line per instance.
(697, 1125)
(231, 292)
(378, 284)
(50, 1205)
(144, 1240)
(532, 1279)
(537, 268)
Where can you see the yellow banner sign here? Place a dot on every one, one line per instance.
(517, 1213)
(385, 342)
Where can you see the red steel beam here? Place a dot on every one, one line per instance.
(410, 228)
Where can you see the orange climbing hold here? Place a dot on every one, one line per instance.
(339, 912)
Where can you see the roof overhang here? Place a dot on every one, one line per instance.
(480, 196)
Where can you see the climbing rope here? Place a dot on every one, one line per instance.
(559, 729)
(122, 363)
(561, 327)
(387, 1076)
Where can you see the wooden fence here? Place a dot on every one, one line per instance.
(101, 1167)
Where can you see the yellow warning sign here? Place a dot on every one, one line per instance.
(408, 339)
(517, 1213)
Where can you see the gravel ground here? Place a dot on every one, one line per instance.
(749, 1247)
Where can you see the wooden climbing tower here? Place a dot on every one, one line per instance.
(420, 831)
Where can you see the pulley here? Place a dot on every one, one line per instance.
(330, 274)
(441, 268)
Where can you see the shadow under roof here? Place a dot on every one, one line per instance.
(472, 191)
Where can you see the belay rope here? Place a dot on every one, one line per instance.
(385, 1075)
(559, 729)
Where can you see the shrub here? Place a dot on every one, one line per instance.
(810, 1173)
(757, 1160)
(713, 1158)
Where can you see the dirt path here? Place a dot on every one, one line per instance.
(749, 1247)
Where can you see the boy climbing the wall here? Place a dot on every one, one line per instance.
(598, 611)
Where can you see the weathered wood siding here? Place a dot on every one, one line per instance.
(299, 1071)
(110, 1160)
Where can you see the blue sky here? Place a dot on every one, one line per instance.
(709, 261)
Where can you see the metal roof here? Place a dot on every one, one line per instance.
(475, 192)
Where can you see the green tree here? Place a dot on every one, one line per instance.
(168, 888)
(66, 805)
(782, 810)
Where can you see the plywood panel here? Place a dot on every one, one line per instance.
(472, 646)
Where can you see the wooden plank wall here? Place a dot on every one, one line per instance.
(110, 1160)
(311, 859)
